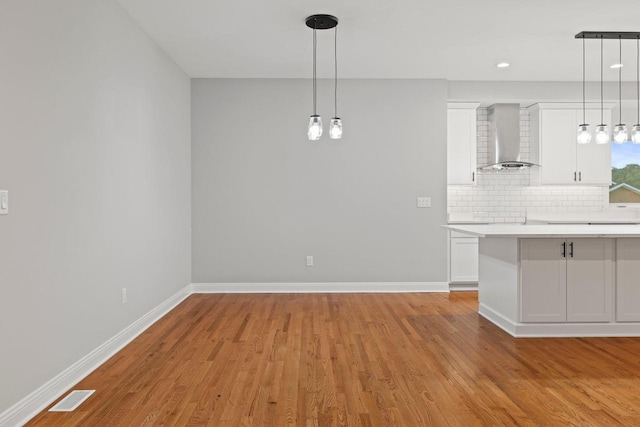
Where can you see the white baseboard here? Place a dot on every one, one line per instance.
(559, 330)
(39, 399)
(454, 287)
(326, 287)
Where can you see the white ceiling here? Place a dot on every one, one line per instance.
(455, 39)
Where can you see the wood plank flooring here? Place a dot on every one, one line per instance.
(357, 360)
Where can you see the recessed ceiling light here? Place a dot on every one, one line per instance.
(503, 65)
(617, 66)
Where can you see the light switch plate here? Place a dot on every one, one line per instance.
(423, 202)
(4, 202)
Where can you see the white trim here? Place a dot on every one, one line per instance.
(46, 394)
(322, 287)
(559, 330)
(456, 287)
(571, 105)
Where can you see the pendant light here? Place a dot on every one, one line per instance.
(315, 121)
(635, 133)
(584, 134)
(335, 129)
(319, 22)
(620, 134)
(602, 133)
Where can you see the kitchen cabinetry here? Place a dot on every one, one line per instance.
(627, 283)
(461, 143)
(566, 280)
(563, 161)
(463, 258)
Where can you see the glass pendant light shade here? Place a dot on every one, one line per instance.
(584, 135)
(635, 134)
(602, 134)
(335, 129)
(620, 135)
(315, 128)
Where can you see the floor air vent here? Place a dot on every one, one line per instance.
(72, 401)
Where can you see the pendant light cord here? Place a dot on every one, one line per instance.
(601, 91)
(638, 75)
(584, 120)
(620, 83)
(335, 62)
(314, 67)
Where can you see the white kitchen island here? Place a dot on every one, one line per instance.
(559, 280)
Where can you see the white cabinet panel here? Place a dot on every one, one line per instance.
(553, 145)
(628, 280)
(558, 146)
(464, 259)
(461, 144)
(566, 280)
(543, 290)
(589, 280)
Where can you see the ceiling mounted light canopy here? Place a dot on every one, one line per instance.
(324, 22)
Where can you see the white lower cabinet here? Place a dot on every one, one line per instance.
(627, 280)
(566, 280)
(463, 259)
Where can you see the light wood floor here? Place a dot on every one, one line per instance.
(355, 359)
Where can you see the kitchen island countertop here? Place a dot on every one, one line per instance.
(547, 230)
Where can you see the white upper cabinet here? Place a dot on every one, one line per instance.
(461, 143)
(554, 147)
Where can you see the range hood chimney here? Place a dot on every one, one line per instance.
(504, 138)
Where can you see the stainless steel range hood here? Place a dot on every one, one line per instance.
(504, 138)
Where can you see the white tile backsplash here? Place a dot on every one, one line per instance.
(506, 196)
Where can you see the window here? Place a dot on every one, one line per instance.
(625, 174)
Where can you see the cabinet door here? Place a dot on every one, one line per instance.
(543, 273)
(558, 146)
(594, 160)
(627, 280)
(461, 146)
(589, 280)
(464, 259)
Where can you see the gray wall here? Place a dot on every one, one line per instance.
(95, 151)
(264, 196)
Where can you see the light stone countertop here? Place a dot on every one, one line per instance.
(547, 230)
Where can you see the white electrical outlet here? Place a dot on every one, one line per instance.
(124, 295)
(423, 202)
(309, 261)
(4, 202)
